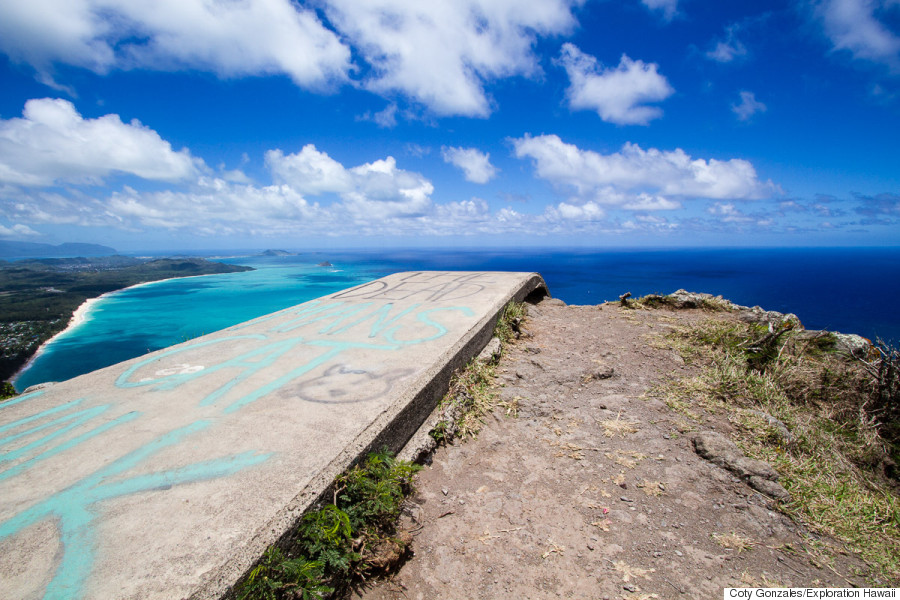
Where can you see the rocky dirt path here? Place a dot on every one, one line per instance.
(594, 490)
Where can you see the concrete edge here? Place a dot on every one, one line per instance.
(421, 442)
(393, 429)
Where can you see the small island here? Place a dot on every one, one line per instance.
(38, 297)
(325, 263)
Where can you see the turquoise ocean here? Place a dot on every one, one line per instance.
(853, 290)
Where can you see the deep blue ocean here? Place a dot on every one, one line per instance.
(849, 290)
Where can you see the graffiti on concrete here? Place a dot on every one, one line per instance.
(306, 353)
(427, 286)
(326, 330)
(75, 513)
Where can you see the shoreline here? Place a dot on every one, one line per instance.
(79, 317)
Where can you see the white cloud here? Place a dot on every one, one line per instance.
(250, 37)
(589, 211)
(17, 231)
(475, 164)
(854, 26)
(640, 178)
(748, 106)
(377, 189)
(651, 202)
(383, 190)
(729, 49)
(667, 7)
(440, 53)
(617, 94)
(386, 118)
(309, 171)
(727, 213)
(216, 207)
(53, 143)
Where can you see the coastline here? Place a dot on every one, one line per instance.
(79, 317)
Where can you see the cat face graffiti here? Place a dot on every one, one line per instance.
(342, 384)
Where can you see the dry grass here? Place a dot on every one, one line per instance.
(628, 572)
(763, 581)
(733, 541)
(618, 426)
(830, 462)
(472, 394)
(652, 488)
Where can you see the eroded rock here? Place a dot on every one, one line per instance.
(491, 352)
(722, 452)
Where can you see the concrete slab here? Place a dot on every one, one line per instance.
(166, 476)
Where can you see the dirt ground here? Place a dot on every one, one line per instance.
(593, 490)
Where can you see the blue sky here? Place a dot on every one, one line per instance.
(214, 124)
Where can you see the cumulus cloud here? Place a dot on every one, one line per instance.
(250, 37)
(216, 207)
(440, 53)
(589, 211)
(637, 177)
(377, 189)
(651, 202)
(854, 26)
(309, 171)
(748, 106)
(53, 143)
(619, 95)
(667, 7)
(476, 165)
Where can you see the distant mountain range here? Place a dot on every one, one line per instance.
(35, 250)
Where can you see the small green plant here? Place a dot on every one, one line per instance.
(440, 433)
(7, 391)
(325, 538)
(277, 577)
(340, 541)
(372, 493)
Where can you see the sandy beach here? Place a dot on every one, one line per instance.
(80, 316)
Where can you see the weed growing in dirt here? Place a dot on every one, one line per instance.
(351, 538)
(810, 411)
(508, 323)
